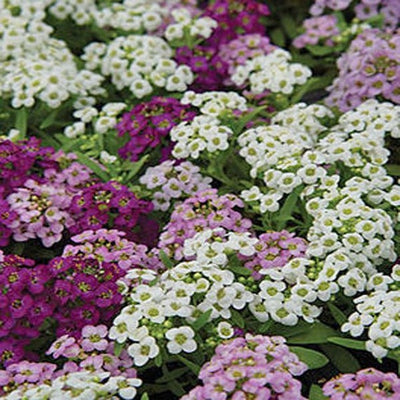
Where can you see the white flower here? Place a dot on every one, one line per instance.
(225, 330)
(181, 339)
(107, 158)
(143, 351)
(356, 324)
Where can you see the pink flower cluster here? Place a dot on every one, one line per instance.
(91, 351)
(148, 123)
(258, 367)
(369, 68)
(390, 9)
(275, 249)
(171, 181)
(368, 383)
(205, 210)
(318, 31)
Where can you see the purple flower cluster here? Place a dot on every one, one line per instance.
(258, 367)
(91, 351)
(170, 180)
(275, 249)
(370, 68)
(112, 204)
(318, 31)
(390, 9)
(84, 291)
(368, 383)
(243, 48)
(24, 305)
(147, 124)
(205, 210)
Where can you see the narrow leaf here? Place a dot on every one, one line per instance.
(337, 314)
(341, 358)
(166, 260)
(192, 366)
(171, 375)
(237, 319)
(316, 334)
(118, 348)
(202, 320)
(135, 167)
(314, 359)
(21, 122)
(145, 396)
(349, 343)
(93, 166)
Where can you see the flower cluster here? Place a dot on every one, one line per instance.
(205, 210)
(272, 72)
(24, 305)
(185, 25)
(244, 48)
(378, 314)
(364, 9)
(170, 181)
(203, 134)
(318, 30)
(186, 291)
(275, 249)
(148, 123)
(97, 205)
(369, 68)
(216, 104)
(130, 16)
(251, 366)
(90, 353)
(140, 63)
(38, 67)
(365, 383)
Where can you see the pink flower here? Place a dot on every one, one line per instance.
(64, 346)
(94, 337)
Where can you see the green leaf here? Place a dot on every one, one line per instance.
(145, 396)
(237, 319)
(316, 393)
(93, 166)
(192, 366)
(278, 37)
(21, 122)
(289, 25)
(247, 118)
(337, 314)
(349, 343)
(166, 260)
(341, 358)
(287, 208)
(118, 348)
(49, 119)
(158, 360)
(317, 333)
(239, 270)
(171, 375)
(135, 168)
(314, 359)
(393, 169)
(319, 50)
(202, 320)
(263, 328)
(176, 388)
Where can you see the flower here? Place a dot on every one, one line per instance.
(181, 339)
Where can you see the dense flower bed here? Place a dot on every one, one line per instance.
(199, 199)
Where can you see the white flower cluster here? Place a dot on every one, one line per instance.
(80, 385)
(37, 67)
(274, 152)
(128, 15)
(214, 103)
(272, 72)
(378, 313)
(101, 121)
(185, 24)
(184, 291)
(27, 10)
(304, 117)
(203, 133)
(138, 62)
(168, 181)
